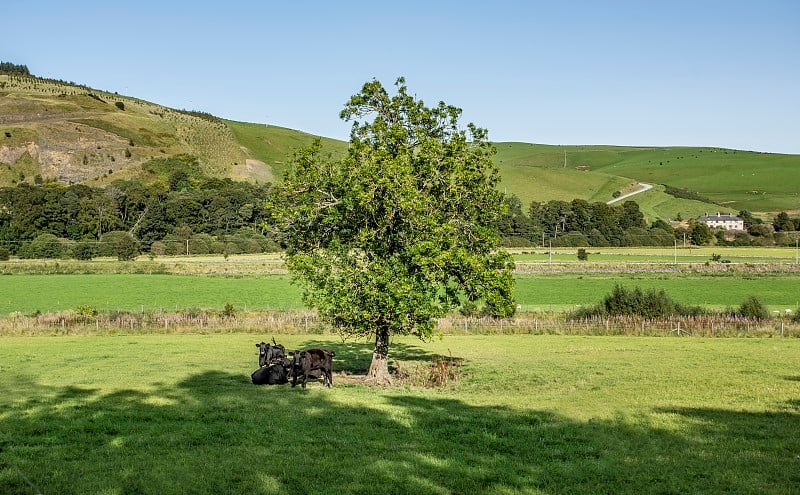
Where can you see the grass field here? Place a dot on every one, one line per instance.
(170, 414)
(46, 293)
(551, 292)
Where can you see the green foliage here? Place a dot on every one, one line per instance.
(700, 233)
(753, 308)
(228, 311)
(127, 247)
(5, 253)
(85, 250)
(120, 105)
(782, 222)
(648, 304)
(684, 193)
(15, 69)
(222, 209)
(86, 310)
(387, 239)
(582, 254)
(46, 246)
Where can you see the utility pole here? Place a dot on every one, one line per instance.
(675, 252)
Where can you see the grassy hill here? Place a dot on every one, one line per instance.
(728, 180)
(75, 134)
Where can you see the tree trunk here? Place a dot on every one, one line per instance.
(378, 373)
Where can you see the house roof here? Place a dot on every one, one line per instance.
(719, 218)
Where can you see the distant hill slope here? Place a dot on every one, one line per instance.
(75, 134)
(727, 180)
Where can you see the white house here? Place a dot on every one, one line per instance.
(727, 222)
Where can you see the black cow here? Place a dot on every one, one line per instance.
(268, 354)
(274, 374)
(314, 364)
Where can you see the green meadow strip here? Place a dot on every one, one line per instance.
(544, 292)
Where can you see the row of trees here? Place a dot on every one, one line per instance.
(214, 215)
(9, 68)
(578, 223)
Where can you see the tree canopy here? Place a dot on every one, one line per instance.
(403, 228)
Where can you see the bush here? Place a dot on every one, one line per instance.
(47, 246)
(635, 302)
(120, 105)
(5, 253)
(582, 254)
(127, 248)
(85, 250)
(753, 309)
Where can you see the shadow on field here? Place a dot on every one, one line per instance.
(354, 357)
(215, 433)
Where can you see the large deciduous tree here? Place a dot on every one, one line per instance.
(400, 230)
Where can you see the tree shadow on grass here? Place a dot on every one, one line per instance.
(213, 433)
(354, 357)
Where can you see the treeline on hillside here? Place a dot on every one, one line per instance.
(179, 212)
(9, 68)
(578, 223)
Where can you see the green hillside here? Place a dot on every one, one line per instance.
(731, 180)
(274, 145)
(52, 130)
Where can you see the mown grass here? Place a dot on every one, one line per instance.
(251, 283)
(551, 292)
(531, 414)
(46, 293)
(713, 291)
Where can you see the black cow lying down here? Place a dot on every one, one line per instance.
(273, 374)
(312, 364)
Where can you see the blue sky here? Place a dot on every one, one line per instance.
(648, 73)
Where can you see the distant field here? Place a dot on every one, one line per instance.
(47, 293)
(662, 255)
(563, 292)
(135, 292)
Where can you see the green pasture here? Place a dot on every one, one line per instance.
(660, 255)
(543, 292)
(174, 414)
(558, 292)
(126, 292)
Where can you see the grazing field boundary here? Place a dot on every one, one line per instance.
(307, 323)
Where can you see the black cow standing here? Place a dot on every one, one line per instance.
(267, 354)
(314, 364)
